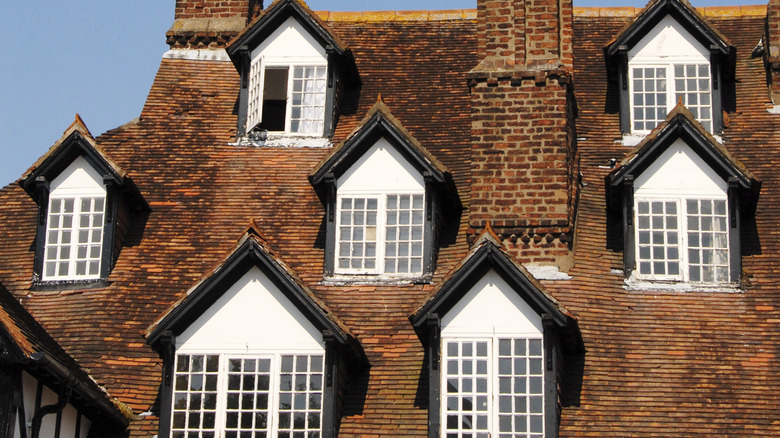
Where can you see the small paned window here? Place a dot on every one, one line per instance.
(493, 388)
(74, 238)
(382, 234)
(287, 99)
(683, 245)
(241, 396)
(657, 89)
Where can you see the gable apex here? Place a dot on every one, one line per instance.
(273, 17)
(680, 124)
(251, 252)
(683, 13)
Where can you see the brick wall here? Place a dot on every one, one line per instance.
(772, 48)
(524, 161)
(186, 9)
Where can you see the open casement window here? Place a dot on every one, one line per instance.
(251, 352)
(84, 207)
(383, 194)
(495, 344)
(381, 234)
(231, 396)
(682, 199)
(293, 72)
(670, 54)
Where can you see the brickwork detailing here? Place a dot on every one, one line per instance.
(514, 33)
(772, 48)
(210, 24)
(524, 163)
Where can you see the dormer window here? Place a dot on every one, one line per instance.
(669, 54)
(293, 71)
(683, 198)
(85, 203)
(383, 194)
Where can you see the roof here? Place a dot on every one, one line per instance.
(707, 361)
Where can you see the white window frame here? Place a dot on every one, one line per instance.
(671, 100)
(683, 238)
(381, 231)
(256, 94)
(492, 384)
(73, 259)
(273, 392)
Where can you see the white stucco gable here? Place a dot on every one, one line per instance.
(290, 43)
(679, 171)
(79, 178)
(668, 42)
(381, 169)
(253, 315)
(491, 308)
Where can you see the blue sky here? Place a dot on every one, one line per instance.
(99, 59)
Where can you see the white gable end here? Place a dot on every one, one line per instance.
(290, 43)
(381, 169)
(252, 316)
(668, 42)
(491, 308)
(78, 179)
(679, 172)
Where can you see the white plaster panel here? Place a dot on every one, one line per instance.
(381, 169)
(289, 44)
(679, 172)
(491, 308)
(49, 422)
(68, 426)
(85, 426)
(668, 42)
(79, 178)
(252, 316)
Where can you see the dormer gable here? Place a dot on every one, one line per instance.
(382, 175)
(486, 315)
(253, 317)
(84, 203)
(293, 71)
(669, 52)
(681, 196)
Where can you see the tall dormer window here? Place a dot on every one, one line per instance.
(74, 227)
(383, 194)
(85, 203)
(670, 54)
(293, 72)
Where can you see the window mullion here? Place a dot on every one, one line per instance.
(381, 233)
(222, 383)
(671, 90)
(288, 105)
(683, 220)
(273, 394)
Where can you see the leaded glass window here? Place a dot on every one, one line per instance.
(74, 238)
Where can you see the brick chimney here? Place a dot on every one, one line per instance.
(524, 166)
(210, 23)
(772, 49)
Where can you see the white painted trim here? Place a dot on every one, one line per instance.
(219, 55)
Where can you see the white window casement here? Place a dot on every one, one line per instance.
(287, 99)
(231, 396)
(381, 234)
(682, 240)
(75, 225)
(492, 387)
(656, 89)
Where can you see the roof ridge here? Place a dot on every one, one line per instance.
(707, 11)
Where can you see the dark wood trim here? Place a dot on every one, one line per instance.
(330, 385)
(629, 235)
(10, 375)
(244, 65)
(433, 324)
(551, 408)
(109, 227)
(735, 231)
(42, 190)
(168, 354)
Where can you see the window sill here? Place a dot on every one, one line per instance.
(384, 279)
(634, 284)
(68, 285)
(285, 141)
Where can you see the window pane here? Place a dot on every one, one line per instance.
(692, 84)
(404, 234)
(708, 252)
(357, 234)
(84, 218)
(466, 375)
(658, 252)
(301, 402)
(649, 97)
(308, 99)
(194, 407)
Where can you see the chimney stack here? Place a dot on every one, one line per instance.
(200, 24)
(524, 166)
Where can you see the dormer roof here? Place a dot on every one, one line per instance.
(681, 124)
(380, 123)
(488, 254)
(277, 13)
(76, 142)
(680, 10)
(252, 251)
